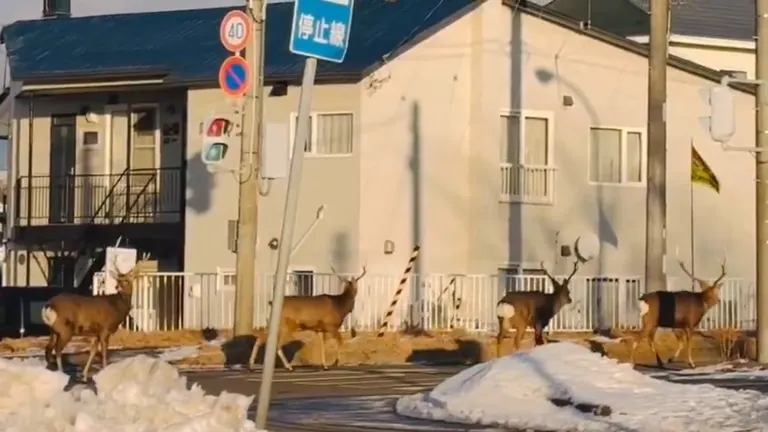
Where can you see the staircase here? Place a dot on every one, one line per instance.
(117, 207)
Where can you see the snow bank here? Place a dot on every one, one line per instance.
(515, 391)
(140, 394)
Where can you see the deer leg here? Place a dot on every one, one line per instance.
(519, 333)
(337, 337)
(91, 355)
(500, 335)
(538, 335)
(50, 346)
(283, 336)
(254, 351)
(322, 350)
(680, 336)
(104, 349)
(651, 338)
(689, 343)
(62, 339)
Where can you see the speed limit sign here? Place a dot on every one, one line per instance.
(235, 30)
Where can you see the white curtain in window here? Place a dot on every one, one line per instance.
(510, 139)
(634, 157)
(334, 134)
(605, 155)
(536, 136)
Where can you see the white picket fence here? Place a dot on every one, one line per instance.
(174, 301)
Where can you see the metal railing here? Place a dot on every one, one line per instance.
(135, 195)
(527, 183)
(173, 301)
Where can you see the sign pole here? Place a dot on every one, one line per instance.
(248, 202)
(286, 240)
(320, 30)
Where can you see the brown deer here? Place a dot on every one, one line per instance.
(99, 316)
(323, 314)
(678, 310)
(523, 309)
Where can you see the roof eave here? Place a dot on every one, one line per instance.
(623, 43)
(65, 77)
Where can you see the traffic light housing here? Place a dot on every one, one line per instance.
(216, 134)
(721, 122)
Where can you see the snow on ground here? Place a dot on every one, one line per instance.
(515, 391)
(139, 394)
(732, 370)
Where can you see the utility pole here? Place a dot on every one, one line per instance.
(761, 187)
(656, 176)
(248, 199)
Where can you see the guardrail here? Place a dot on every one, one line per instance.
(174, 301)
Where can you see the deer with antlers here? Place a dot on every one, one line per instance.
(70, 314)
(523, 309)
(678, 310)
(323, 314)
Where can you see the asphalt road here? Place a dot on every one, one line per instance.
(358, 399)
(347, 399)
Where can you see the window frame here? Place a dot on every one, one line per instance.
(523, 114)
(315, 115)
(625, 131)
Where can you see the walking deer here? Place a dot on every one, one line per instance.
(678, 310)
(323, 314)
(523, 309)
(99, 316)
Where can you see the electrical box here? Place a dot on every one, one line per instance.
(275, 156)
(232, 235)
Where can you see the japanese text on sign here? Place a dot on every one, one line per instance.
(322, 31)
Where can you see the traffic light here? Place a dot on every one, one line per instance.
(721, 122)
(216, 132)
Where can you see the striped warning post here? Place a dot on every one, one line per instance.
(400, 288)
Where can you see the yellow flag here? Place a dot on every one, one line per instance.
(701, 173)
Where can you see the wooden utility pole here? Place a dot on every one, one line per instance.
(656, 176)
(761, 187)
(248, 200)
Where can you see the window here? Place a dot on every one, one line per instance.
(527, 174)
(616, 156)
(304, 282)
(330, 134)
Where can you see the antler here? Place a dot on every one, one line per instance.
(341, 278)
(575, 269)
(546, 273)
(701, 282)
(722, 273)
(361, 274)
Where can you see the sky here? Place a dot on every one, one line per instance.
(14, 10)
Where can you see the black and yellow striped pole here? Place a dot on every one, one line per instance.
(400, 288)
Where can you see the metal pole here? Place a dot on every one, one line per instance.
(656, 198)
(286, 240)
(761, 188)
(248, 204)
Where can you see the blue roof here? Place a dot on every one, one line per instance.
(185, 43)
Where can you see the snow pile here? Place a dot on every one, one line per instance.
(516, 391)
(140, 394)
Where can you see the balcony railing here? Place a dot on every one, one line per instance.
(133, 196)
(534, 184)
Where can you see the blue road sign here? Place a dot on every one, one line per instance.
(321, 28)
(234, 76)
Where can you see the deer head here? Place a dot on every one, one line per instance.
(125, 280)
(561, 289)
(711, 290)
(350, 284)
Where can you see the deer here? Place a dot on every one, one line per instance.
(681, 311)
(523, 309)
(70, 314)
(322, 314)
